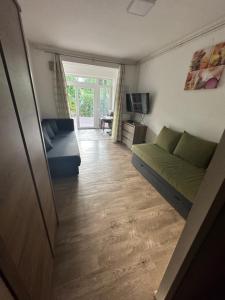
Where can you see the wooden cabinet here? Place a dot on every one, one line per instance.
(14, 50)
(5, 293)
(27, 212)
(133, 133)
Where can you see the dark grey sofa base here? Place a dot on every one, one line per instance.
(63, 167)
(178, 201)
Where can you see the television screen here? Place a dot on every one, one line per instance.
(138, 102)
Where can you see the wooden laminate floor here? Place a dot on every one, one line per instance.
(116, 232)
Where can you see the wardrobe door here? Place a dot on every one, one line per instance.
(5, 293)
(16, 59)
(25, 257)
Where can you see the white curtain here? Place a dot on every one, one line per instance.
(61, 102)
(118, 105)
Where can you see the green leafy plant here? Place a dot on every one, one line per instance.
(86, 97)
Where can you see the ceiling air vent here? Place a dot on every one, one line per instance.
(140, 7)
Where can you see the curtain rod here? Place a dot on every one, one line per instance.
(83, 56)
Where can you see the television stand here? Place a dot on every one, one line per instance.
(133, 133)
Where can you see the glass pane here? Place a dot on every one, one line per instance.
(70, 77)
(86, 80)
(86, 107)
(105, 94)
(107, 82)
(71, 98)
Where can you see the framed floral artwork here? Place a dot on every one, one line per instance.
(204, 78)
(217, 57)
(206, 68)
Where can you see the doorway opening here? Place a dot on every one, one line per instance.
(90, 93)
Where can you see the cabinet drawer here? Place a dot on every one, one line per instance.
(128, 127)
(128, 135)
(127, 142)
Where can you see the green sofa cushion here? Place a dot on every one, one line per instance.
(195, 150)
(168, 139)
(184, 177)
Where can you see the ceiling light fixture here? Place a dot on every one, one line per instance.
(140, 7)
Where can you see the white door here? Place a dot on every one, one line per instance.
(86, 107)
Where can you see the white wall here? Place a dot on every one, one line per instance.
(43, 81)
(201, 112)
(130, 85)
(131, 78)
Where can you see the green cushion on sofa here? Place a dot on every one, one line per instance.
(195, 150)
(168, 139)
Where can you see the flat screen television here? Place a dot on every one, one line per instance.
(138, 102)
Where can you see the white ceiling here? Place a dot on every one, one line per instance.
(103, 27)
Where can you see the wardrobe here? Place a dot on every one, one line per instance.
(28, 218)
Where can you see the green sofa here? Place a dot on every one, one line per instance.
(175, 164)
